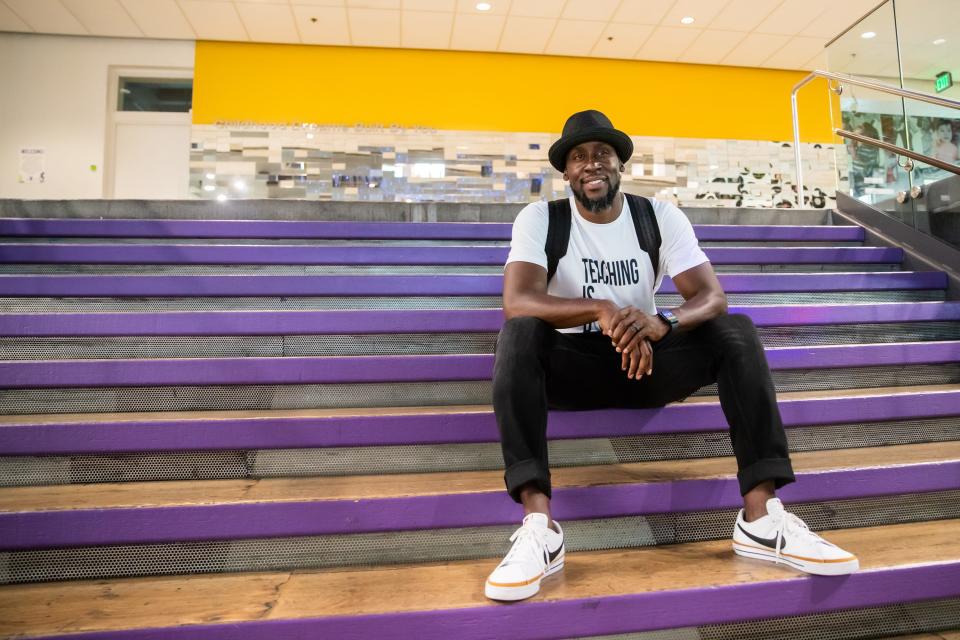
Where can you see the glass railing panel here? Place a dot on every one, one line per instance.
(868, 50)
(936, 200)
(929, 44)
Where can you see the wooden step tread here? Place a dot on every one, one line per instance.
(425, 410)
(200, 492)
(39, 609)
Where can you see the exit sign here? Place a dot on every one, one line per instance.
(944, 81)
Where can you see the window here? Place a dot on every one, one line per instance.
(174, 95)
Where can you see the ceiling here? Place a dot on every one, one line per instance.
(782, 34)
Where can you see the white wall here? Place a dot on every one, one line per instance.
(53, 94)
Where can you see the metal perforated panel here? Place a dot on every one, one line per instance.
(816, 438)
(335, 461)
(295, 241)
(842, 297)
(876, 622)
(806, 268)
(273, 270)
(317, 242)
(240, 346)
(859, 333)
(219, 397)
(80, 305)
(440, 544)
(891, 621)
(140, 347)
(216, 397)
(408, 343)
(64, 305)
(257, 270)
(860, 378)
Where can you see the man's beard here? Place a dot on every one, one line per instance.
(602, 203)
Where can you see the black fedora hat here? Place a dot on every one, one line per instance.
(588, 126)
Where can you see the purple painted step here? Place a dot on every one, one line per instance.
(791, 595)
(228, 323)
(425, 285)
(369, 369)
(373, 255)
(232, 521)
(86, 435)
(254, 229)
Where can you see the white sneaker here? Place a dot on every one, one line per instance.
(537, 552)
(784, 538)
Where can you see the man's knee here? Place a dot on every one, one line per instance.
(733, 331)
(522, 332)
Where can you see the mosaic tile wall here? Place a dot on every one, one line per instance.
(240, 160)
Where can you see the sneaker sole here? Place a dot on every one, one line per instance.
(523, 590)
(807, 565)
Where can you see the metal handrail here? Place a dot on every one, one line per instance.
(919, 157)
(867, 84)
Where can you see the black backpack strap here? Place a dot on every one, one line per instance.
(648, 231)
(558, 233)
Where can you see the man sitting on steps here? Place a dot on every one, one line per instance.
(582, 332)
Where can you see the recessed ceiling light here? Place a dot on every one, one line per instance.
(687, 20)
(939, 41)
(483, 6)
(866, 35)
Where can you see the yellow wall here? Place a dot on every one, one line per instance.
(497, 92)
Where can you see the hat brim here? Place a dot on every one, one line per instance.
(620, 142)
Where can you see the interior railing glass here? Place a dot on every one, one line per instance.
(898, 114)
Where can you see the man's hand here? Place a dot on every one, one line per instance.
(631, 331)
(631, 326)
(608, 316)
(637, 362)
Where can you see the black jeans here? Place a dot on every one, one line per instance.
(537, 368)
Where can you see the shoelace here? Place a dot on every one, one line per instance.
(526, 537)
(787, 522)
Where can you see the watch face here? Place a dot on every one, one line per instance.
(669, 317)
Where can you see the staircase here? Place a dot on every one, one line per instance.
(281, 429)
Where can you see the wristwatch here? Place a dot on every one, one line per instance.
(670, 318)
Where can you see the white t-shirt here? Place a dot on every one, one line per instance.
(605, 260)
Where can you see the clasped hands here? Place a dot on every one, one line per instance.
(631, 330)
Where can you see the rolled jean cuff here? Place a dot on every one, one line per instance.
(524, 472)
(777, 469)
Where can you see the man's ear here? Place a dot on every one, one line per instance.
(565, 176)
(622, 167)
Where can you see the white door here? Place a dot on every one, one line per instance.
(148, 146)
(151, 161)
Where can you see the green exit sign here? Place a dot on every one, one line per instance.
(944, 81)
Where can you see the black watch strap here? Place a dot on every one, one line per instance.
(670, 318)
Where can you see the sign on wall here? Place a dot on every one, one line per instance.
(944, 81)
(33, 165)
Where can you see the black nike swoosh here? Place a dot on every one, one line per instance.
(767, 542)
(553, 554)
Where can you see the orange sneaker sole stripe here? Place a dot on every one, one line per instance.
(790, 555)
(515, 584)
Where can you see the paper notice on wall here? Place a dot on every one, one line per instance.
(33, 165)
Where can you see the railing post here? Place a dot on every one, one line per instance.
(796, 148)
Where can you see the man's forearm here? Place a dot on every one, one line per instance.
(559, 312)
(704, 306)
